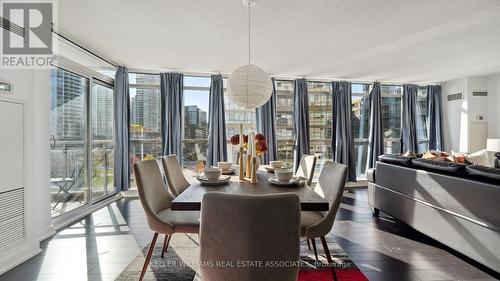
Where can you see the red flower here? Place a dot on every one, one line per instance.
(235, 140)
(260, 137)
(245, 138)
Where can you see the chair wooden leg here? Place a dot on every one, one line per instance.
(308, 244)
(327, 251)
(328, 257)
(166, 241)
(148, 257)
(314, 248)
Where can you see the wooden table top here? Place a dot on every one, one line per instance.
(190, 199)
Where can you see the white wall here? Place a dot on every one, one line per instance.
(32, 87)
(458, 115)
(493, 82)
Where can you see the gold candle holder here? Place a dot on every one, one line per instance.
(248, 173)
(241, 173)
(253, 177)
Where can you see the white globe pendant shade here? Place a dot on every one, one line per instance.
(249, 86)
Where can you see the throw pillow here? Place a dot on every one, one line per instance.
(410, 154)
(429, 156)
(479, 158)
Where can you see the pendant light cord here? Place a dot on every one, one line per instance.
(249, 26)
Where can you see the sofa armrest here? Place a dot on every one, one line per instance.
(370, 175)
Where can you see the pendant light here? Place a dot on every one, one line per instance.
(249, 86)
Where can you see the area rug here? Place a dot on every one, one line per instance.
(181, 259)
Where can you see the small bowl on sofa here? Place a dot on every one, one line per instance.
(212, 174)
(283, 175)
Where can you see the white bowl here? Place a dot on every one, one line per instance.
(283, 174)
(225, 165)
(276, 164)
(212, 173)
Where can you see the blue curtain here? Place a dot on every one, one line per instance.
(301, 120)
(266, 124)
(217, 146)
(171, 87)
(121, 130)
(342, 136)
(376, 136)
(435, 118)
(409, 119)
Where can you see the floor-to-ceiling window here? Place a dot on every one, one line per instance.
(102, 140)
(422, 138)
(360, 125)
(320, 122)
(391, 117)
(81, 140)
(284, 120)
(145, 119)
(196, 95)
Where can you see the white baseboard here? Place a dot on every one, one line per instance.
(46, 233)
(18, 255)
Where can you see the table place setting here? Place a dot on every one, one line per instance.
(213, 176)
(226, 168)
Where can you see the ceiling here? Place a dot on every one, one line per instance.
(385, 40)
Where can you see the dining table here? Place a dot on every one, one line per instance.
(190, 199)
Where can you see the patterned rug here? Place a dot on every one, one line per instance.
(181, 259)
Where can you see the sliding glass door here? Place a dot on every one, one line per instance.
(68, 103)
(81, 141)
(102, 141)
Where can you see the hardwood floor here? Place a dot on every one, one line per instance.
(101, 245)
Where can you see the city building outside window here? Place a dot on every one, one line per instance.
(284, 120)
(360, 125)
(145, 118)
(391, 117)
(320, 122)
(196, 96)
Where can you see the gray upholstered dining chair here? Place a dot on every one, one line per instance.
(156, 201)
(176, 181)
(306, 168)
(242, 228)
(330, 185)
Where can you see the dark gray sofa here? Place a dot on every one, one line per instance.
(459, 211)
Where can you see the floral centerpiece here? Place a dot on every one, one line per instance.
(260, 143)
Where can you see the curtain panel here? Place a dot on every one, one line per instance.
(409, 119)
(376, 135)
(121, 94)
(266, 124)
(217, 142)
(171, 90)
(301, 120)
(342, 136)
(435, 118)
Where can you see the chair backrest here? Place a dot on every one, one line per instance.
(176, 181)
(152, 191)
(331, 184)
(240, 228)
(306, 168)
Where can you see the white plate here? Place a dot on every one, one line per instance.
(229, 171)
(222, 180)
(291, 182)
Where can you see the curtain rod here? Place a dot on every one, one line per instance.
(277, 77)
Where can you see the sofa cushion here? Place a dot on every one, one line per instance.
(370, 175)
(439, 166)
(483, 172)
(395, 159)
(478, 158)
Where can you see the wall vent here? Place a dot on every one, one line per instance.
(453, 97)
(12, 223)
(479, 94)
